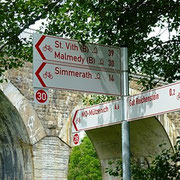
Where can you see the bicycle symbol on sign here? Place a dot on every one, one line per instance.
(47, 48)
(78, 120)
(48, 74)
(178, 96)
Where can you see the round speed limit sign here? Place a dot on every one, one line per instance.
(76, 139)
(41, 96)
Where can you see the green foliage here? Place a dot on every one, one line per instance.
(16, 16)
(84, 163)
(165, 166)
(96, 99)
(116, 169)
(129, 23)
(115, 22)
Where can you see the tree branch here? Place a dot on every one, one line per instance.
(49, 7)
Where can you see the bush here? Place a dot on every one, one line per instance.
(165, 166)
(84, 163)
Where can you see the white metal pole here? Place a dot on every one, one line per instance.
(125, 124)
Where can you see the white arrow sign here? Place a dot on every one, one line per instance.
(150, 103)
(50, 75)
(97, 116)
(67, 64)
(60, 50)
(154, 102)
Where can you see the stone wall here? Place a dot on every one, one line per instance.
(61, 103)
(50, 159)
(48, 126)
(15, 148)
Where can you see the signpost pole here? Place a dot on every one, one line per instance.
(125, 124)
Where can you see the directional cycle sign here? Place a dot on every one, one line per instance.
(59, 76)
(154, 102)
(67, 64)
(150, 103)
(97, 116)
(56, 49)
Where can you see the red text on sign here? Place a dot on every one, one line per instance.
(58, 44)
(143, 99)
(172, 92)
(71, 46)
(92, 112)
(90, 60)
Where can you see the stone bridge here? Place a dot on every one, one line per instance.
(35, 140)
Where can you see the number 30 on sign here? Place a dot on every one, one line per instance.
(40, 96)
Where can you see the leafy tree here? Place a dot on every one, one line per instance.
(16, 16)
(127, 22)
(115, 22)
(96, 99)
(84, 164)
(164, 166)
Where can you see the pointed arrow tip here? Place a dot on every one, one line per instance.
(38, 48)
(74, 120)
(38, 74)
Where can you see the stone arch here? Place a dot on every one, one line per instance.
(145, 137)
(15, 149)
(29, 116)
